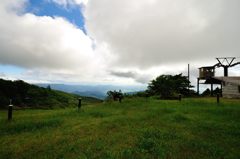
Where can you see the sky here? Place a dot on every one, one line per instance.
(115, 42)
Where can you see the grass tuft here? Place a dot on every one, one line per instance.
(29, 126)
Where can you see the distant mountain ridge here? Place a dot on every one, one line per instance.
(96, 91)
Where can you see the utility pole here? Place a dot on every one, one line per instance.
(189, 78)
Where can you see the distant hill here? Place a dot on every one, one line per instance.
(28, 95)
(96, 91)
(95, 94)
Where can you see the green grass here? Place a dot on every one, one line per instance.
(135, 128)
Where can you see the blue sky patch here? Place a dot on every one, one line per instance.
(44, 8)
(11, 70)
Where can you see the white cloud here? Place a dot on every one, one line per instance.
(67, 3)
(144, 33)
(137, 76)
(47, 44)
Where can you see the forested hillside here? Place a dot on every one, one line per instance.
(28, 95)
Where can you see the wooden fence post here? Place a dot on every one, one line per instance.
(10, 108)
(79, 103)
(180, 97)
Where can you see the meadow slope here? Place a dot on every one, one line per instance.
(135, 128)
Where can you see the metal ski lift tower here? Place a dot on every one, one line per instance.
(226, 62)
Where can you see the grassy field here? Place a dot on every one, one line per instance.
(136, 128)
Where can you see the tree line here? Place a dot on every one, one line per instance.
(166, 87)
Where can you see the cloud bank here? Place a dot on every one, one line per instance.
(47, 44)
(32, 41)
(125, 41)
(146, 33)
